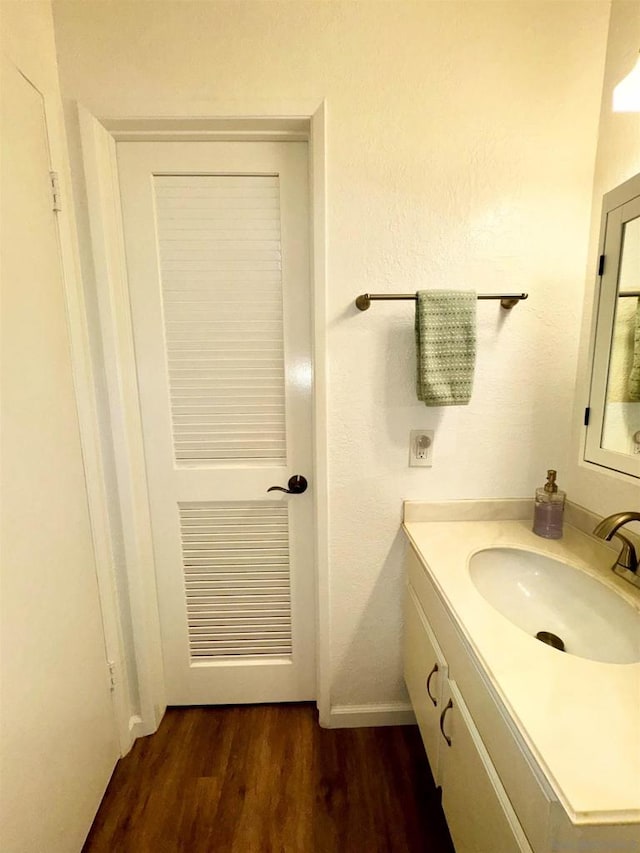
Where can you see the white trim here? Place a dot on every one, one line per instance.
(99, 156)
(365, 716)
(115, 325)
(220, 129)
(136, 727)
(317, 166)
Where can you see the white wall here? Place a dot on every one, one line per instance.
(461, 144)
(618, 158)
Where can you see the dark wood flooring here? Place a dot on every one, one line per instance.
(268, 779)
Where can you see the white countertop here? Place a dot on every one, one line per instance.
(580, 718)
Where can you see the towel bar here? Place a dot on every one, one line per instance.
(507, 300)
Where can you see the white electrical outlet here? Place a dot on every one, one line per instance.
(421, 448)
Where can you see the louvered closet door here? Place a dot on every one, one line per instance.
(216, 238)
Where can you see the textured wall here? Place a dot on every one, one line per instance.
(461, 144)
(618, 159)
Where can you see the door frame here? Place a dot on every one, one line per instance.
(99, 137)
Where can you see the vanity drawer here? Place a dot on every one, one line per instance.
(531, 797)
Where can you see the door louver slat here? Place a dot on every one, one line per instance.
(236, 573)
(220, 264)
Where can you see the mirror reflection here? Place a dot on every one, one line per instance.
(621, 423)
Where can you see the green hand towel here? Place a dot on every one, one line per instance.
(634, 376)
(445, 346)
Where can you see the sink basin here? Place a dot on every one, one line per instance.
(542, 595)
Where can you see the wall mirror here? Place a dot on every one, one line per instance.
(613, 428)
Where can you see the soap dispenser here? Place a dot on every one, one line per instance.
(549, 509)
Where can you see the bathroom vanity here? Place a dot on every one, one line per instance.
(534, 749)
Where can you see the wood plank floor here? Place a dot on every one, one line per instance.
(268, 779)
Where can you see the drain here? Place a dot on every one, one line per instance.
(550, 639)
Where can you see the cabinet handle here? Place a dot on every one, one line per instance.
(430, 676)
(442, 716)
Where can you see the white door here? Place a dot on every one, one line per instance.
(58, 741)
(216, 238)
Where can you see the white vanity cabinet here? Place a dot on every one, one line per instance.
(495, 796)
(478, 812)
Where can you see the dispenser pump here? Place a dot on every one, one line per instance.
(551, 485)
(548, 511)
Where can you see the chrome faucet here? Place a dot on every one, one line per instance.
(627, 565)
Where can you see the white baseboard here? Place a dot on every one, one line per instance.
(339, 717)
(136, 730)
(138, 727)
(364, 716)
